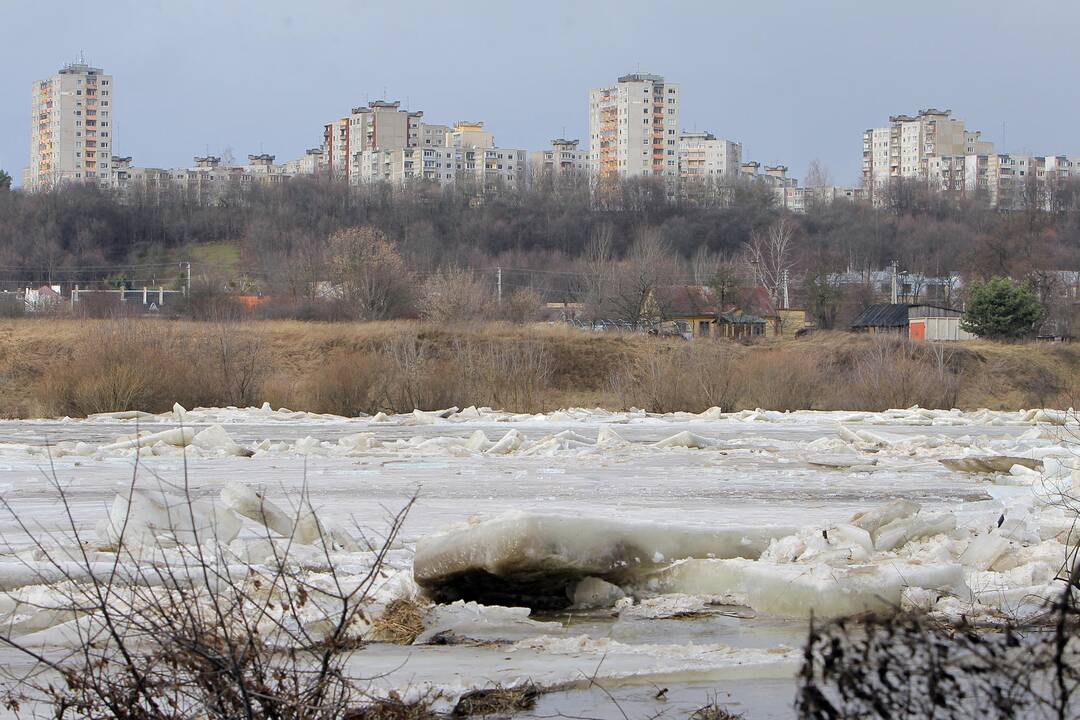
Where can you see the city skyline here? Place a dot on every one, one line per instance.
(175, 102)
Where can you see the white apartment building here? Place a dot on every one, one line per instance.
(466, 153)
(490, 168)
(480, 163)
(71, 128)
(563, 158)
(798, 199)
(308, 164)
(401, 166)
(904, 149)
(634, 128)
(703, 156)
(433, 135)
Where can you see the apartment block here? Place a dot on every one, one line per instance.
(407, 164)
(774, 176)
(383, 124)
(904, 149)
(335, 149)
(71, 128)
(634, 128)
(308, 164)
(379, 125)
(433, 135)
(703, 156)
(479, 162)
(562, 158)
(799, 199)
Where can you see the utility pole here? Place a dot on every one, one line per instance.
(498, 285)
(187, 282)
(895, 290)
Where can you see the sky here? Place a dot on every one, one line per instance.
(792, 80)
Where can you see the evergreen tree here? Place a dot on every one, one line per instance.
(1000, 309)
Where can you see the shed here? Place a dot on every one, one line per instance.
(916, 321)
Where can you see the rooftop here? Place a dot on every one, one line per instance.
(79, 69)
(641, 77)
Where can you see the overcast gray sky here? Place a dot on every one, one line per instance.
(792, 80)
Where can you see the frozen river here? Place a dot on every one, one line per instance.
(809, 470)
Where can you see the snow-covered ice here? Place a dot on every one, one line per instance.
(688, 547)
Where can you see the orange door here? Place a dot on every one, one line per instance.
(917, 330)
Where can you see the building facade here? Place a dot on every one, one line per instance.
(703, 156)
(634, 128)
(404, 165)
(908, 147)
(562, 159)
(71, 128)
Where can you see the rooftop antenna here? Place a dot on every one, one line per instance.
(383, 92)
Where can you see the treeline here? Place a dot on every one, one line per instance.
(546, 235)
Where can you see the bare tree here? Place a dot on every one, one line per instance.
(374, 282)
(704, 265)
(648, 266)
(771, 255)
(599, 268)
(817, 175)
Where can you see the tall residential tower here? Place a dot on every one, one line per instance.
(634, 128)
(71, 128)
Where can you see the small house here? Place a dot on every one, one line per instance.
(692, 308)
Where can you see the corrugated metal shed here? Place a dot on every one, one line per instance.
(931, 311)
(890, 315)
(882, 315)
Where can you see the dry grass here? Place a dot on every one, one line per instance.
(393, 708)
(57, 366)
(121, 365)
(400, 623)
(497, 701)
(714, 711)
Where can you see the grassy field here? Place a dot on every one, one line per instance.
(56, 367)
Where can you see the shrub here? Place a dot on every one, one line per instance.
(523, 306)
(456, 295)
(119, 365)
(782, 380)
(195, 633)
(348, 383)
(896, 373)
(510, 376)
(149, 365)
(691, 378)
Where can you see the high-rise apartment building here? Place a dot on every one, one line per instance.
(634, 128)
(380, 125)
(71, 128)
(703, 156)
(904, 149)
